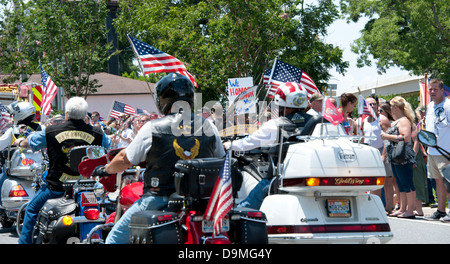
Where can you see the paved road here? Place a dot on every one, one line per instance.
(406, 231)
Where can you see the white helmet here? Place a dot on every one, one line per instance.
(21, 110)
(291, 95)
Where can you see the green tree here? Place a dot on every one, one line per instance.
(68, 37)
(411, 34)
(218, 40)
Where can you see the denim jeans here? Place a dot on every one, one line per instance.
(403, 175)
(257, 195)
(121, 231)
(32, 212)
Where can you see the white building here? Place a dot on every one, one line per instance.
(403, 85)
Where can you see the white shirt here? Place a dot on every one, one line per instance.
(266, 135)
(373, 129)
(127, 133)
(438, 121)
(313, 112)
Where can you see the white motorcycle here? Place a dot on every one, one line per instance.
(319, 191)
(22, 170)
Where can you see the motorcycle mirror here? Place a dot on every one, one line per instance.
(427, 138)
(95, 152)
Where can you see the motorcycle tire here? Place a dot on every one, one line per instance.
(19, 219)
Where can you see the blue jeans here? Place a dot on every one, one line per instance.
(32, 212)
(257, 195)
(121, 231)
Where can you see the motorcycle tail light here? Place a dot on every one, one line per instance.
(67, 220)
(163, 218)
(380, 181)
(254, 214)
(18, 191)
(312, 182)
(26, 162)
(91, 213)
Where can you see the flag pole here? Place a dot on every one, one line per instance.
(270, 85)
(270, 78)
(425, 96)
(110, 109)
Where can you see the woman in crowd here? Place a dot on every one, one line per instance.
(401, 130)
(390, 186)
(348, 103)
(420, 171)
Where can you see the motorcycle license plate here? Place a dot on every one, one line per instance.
(338, 208)
(208, 226)
(88, 199)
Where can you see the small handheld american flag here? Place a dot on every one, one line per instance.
(364, 108)
(121, 108)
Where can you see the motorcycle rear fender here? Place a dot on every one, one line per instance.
(14, 203)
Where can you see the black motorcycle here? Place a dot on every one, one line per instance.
(69, 219)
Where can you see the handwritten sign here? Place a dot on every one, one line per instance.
(237, 85)
(242, 90)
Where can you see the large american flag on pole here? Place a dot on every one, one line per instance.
(221, 200)
(48, 93)
(153, 60)
(119, 108)
(282, 73)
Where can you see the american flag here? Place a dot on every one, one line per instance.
(5, 118)
(48, 93)
(364, 108)
(221, 200)
(121, 108)
(283, 73)
(153, 60)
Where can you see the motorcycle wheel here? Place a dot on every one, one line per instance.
(6, 222)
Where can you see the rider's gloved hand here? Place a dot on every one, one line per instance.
(100, 171)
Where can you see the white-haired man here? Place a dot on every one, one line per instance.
(57, 138)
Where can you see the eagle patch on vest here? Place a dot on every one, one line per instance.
(186, 154)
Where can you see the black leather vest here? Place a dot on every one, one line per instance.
(298, 118)
(173, 139)
(60, 139)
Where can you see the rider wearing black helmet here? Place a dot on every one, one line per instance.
(160, 143)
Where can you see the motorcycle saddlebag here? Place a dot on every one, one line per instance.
(248, 226)
(51, 229)
(196, 177)
(155, 227)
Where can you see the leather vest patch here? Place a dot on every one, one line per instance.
(75, 134)
(185, 154)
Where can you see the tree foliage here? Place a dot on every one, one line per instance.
(218, 39)
(68, 37)
(411, 34)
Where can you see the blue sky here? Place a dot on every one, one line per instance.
(342, 34)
